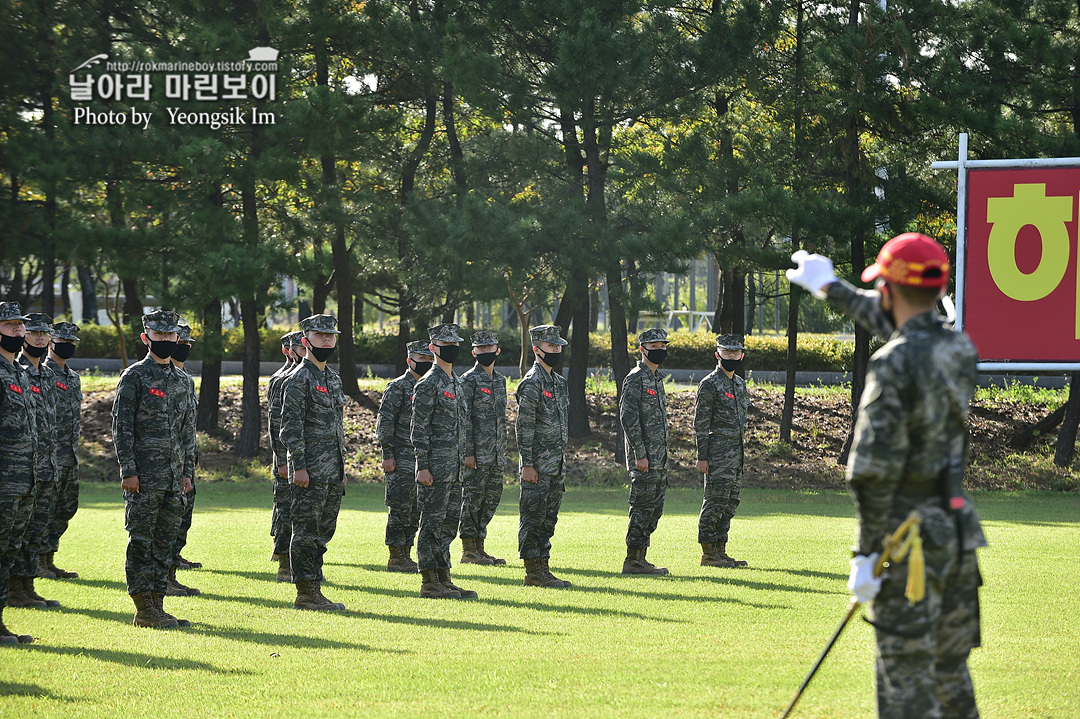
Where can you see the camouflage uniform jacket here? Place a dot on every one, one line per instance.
(393, 428)
(275, 396)
(43, 399)
(485, 434)
(152, 424)
(720, 420)
(68, 389)
(439, 415)
(18, 431)
(313, 429)
(643, 414)
(541, 427)
(193, 397)
(912, 422)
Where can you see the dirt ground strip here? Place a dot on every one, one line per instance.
(821, 425)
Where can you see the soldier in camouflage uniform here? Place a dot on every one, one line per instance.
(439, 415)
(485, 453)
(908, 453)
(541, 436)
(393, 428)
(18, 453)
(313, 432)
(280, 521)
(179, 357)
(152, 424)
(34, 542)
(719, 424)
(643, 415)
(68, 388)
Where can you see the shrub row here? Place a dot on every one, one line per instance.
(686, 350)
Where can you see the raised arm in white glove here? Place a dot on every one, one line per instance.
(862, 583)
(814, 274)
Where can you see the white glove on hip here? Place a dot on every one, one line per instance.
(814, 273)
(862, 583)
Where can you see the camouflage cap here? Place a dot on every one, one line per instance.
(66, 331)
(185, 332)
(420, 347)
(161, 321)
(286, 340)
(729, 342)
(38, 322)
(320, 323)
(444, 333)
(11, 311)
(656, 334)
(483, 338)
(546, 333)
(296, 339)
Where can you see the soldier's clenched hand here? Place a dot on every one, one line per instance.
(470, 462)
(130, 484)
(642, 464)
(528, 474)
(389, 465)
(185, 485)
(703, 466)
(301, 478)
(424, 477)
(283, 471)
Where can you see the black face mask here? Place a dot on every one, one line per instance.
(321, 354)
(421, 368)
(11, 344)
(163, 349)
(551, 359)
(182, 352)
(448, 353)
(64, 351)
(35, 352)
(486, 358)
(731, 365)
(656, 356)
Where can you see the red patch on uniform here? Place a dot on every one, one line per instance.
(321, 389)
(15, 388)
(157, 392)
(35, 390)
(651, 391)
(729, 395)
(485, 390)
(62, 386)
(547, 394)
(410, 398)
(448, 395)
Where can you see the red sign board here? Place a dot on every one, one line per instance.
(1021, 285)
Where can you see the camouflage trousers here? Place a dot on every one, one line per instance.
(314, 515)
(922, 649)
(481, 492)
(36, 539)
(402, 514)
(281, 518)
(152, 519)
(185, 521)
(440, 510)
(717, 509)
(647, 492)
(67, 504)
(15, 513)
(538, 511)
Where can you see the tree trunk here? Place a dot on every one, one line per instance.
(247, 443)
(65, 293)
(577, 296)
(88, 287)
(566, 309)
(787, 415)
(402, 340)
(210, 387)
(1066, 442)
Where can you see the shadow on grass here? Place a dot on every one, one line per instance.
(100, 584)
(10, 689)
(731, 577)
(282, 640)
(137, 660)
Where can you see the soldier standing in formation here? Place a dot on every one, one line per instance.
(719, 425)
(68, 389)
(908, 454)
(18, 442)
(643, 415)
(313, 432)
(485, 455)
(542, 432)
(393, 429)
(153, 427)
(280, 522)
(439, 415)
(179, 357)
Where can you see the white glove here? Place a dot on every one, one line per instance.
(862, 583)
(814, 273)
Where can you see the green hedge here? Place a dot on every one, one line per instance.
(687, 350)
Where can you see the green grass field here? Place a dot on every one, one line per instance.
(701, 642)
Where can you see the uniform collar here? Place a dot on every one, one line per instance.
(658, 374)
(925, 321)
